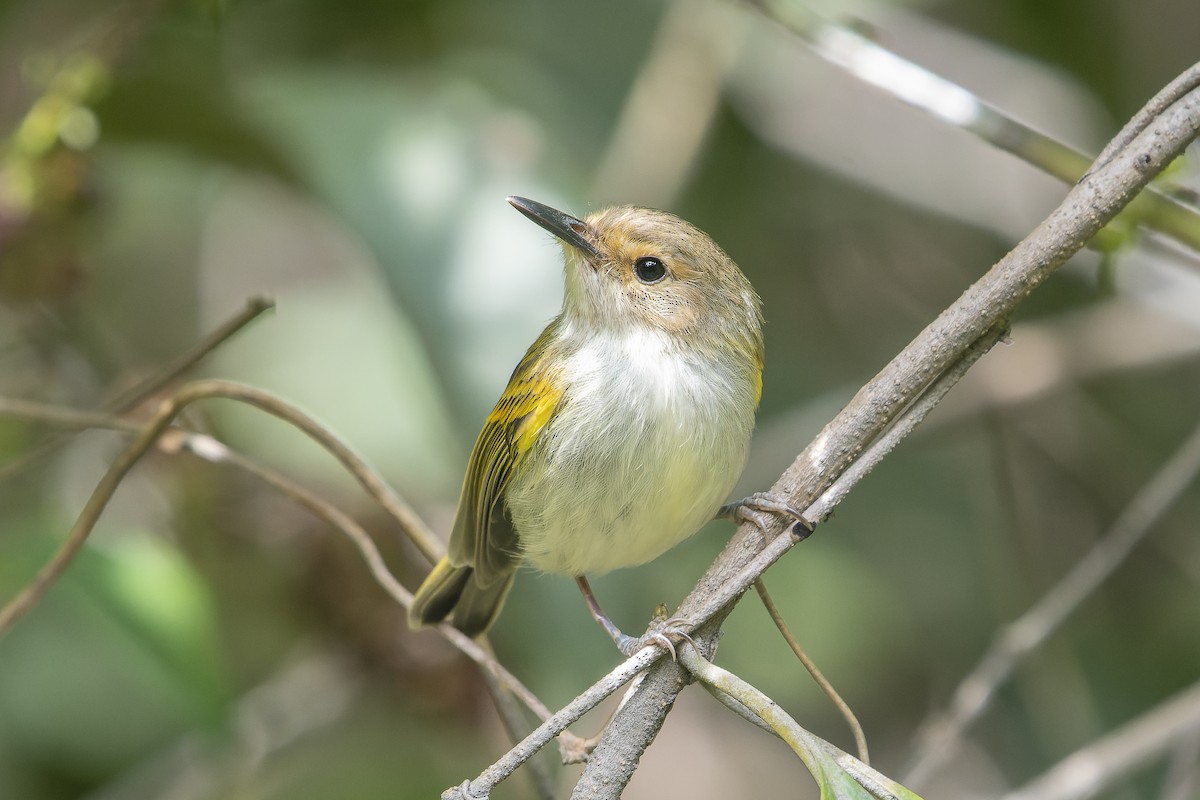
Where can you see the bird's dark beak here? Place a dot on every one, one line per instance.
(571, 230)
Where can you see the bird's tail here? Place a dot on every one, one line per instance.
(457, 589)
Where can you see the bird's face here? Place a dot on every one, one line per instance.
(631, 268)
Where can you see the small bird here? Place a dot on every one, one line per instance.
(622, 429)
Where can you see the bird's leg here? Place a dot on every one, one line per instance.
(753, 508)
(660, 632)
(610, 628)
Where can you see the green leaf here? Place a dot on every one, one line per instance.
(839, 775)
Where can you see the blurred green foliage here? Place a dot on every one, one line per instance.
(162, 161)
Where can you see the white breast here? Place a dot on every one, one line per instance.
(646, 447)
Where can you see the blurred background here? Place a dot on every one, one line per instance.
(163, 162)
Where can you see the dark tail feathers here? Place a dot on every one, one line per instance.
(450, 589)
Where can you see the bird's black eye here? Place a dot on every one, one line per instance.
(649, 269)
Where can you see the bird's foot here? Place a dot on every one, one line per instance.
(758, 506)
(663, 631)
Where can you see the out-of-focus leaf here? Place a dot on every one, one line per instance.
(119, 657)
(152, 593)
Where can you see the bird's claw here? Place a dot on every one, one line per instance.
(660, 633)
(754, 508)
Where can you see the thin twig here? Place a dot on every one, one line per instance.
(942, 736)
(860, 739)
(772, 716)
(572, 748)
(514, 727)
(178, 367)
(658, 688)
(410, 523)
(255, 307)
(58, 416)
(556, 724)
(812, 750)
(952, 104)
(1092, 769)
(48, 575)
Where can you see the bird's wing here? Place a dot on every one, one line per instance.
(483, 537)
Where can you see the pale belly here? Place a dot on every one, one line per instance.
(629, 467)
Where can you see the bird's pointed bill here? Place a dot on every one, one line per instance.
(570, 229)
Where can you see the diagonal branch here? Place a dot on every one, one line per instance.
(1091, 204)
(1090, 770)
(952, 104)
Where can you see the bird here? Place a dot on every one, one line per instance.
(621, 431)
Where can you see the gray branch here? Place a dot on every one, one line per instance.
(1091, 204)
(1089, 771)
